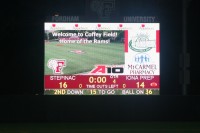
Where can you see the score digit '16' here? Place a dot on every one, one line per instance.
(63, 85)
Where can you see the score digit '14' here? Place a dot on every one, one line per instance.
(140, 85)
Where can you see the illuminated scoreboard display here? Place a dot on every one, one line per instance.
(101, 59)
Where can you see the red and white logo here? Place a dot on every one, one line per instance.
(103, 69)
(53, 25)
(57, 65)
(146, 27)
(153, 84)
(76, 25)
(143, 25)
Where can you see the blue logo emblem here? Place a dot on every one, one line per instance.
(142, 58)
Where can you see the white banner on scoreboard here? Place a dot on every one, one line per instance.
(101, 26)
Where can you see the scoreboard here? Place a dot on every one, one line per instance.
(101, 58)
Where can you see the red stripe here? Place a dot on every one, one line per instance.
(126, 40)
(158, 41)
(81, 81)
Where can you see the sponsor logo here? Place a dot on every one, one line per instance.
(142, 58)
(123, 27)
(55, 27)
(142, 43)
(78, 27)
(57, 65)
(144, 27)
(141, 69)
(102, 27)
(102, 69)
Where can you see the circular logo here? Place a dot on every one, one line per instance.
(142, 43)
(138, 49)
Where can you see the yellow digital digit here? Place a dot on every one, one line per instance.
(91, 79)
(149, 92)
(103, 79)
(80, 85)
(124, 85)
(63, 85)
(140, 85)
(60, 84)
(93, 92)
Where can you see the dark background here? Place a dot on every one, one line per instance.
(22, 55)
